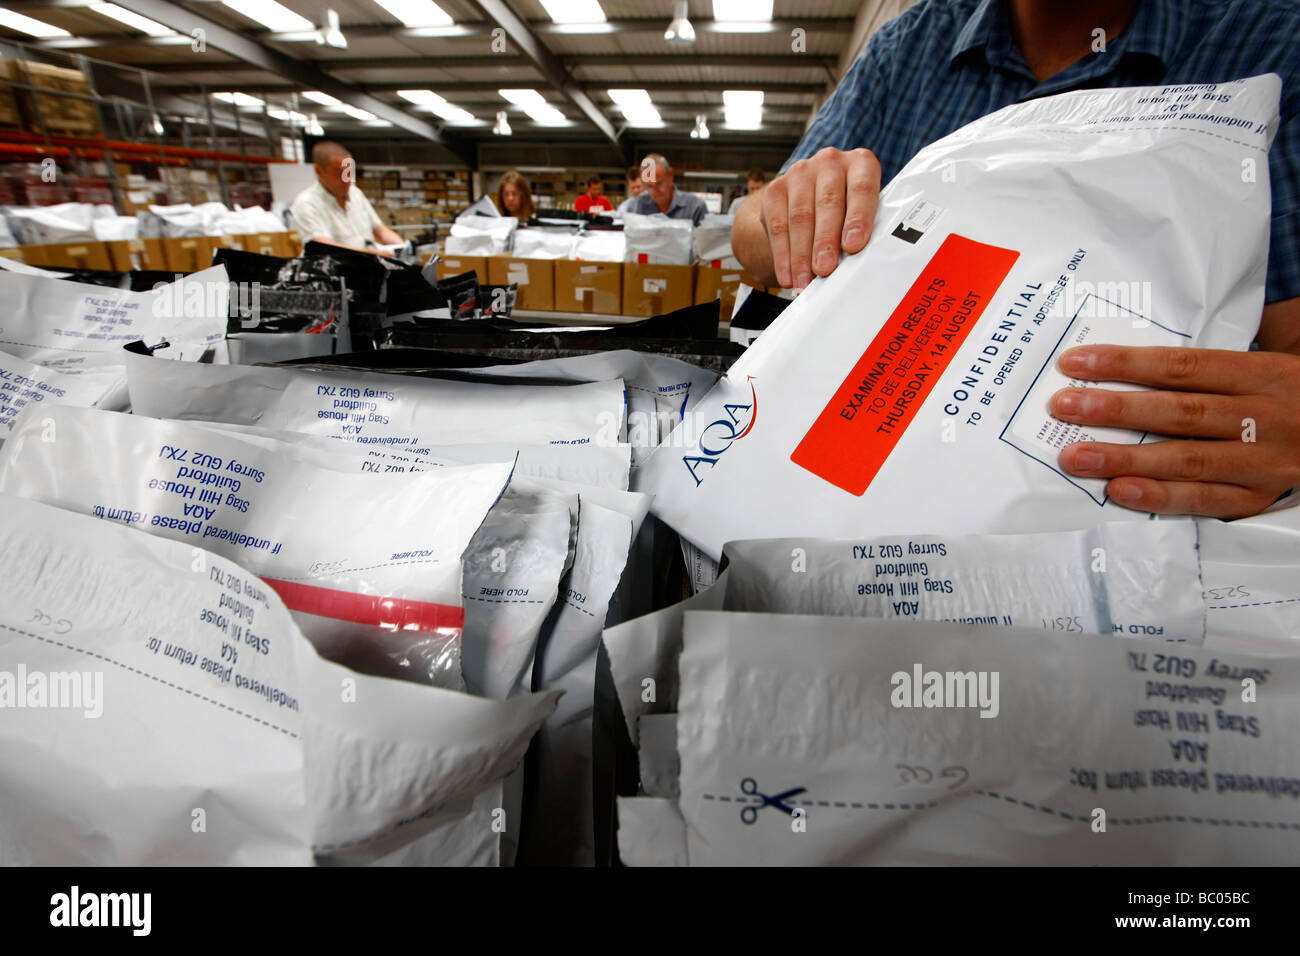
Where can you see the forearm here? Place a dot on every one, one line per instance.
(386, 236)
(343, 245)
(750, 244)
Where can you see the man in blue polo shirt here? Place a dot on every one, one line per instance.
(944, 63)
(661, 194)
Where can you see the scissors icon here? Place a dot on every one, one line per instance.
(749, 787)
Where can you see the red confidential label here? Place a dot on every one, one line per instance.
(863, 421)
(395, 614)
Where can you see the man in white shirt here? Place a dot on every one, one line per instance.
(333, 211)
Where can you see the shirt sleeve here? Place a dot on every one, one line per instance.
(308, 220)
(375, 221)
(1284, 179)
(853, 115)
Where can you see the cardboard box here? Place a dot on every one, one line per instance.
(714, 282)
(268, 244)
(534, 277)
(135, 254)
(459, 265)
(656, 290)
(69, 255)
(592, 287)
(75, 115)
(189, 255)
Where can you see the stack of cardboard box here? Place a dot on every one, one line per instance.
(74, 115)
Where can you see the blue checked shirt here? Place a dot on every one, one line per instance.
(944, 63)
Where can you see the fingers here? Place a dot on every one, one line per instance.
(1185, 369)
(1213, 461)
(801, 213)
(862, 192)
(776, 217)
(1167, 413)
(1211, 500)
(818, 207)
(830, 208)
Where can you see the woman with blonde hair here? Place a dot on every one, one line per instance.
(514, 197)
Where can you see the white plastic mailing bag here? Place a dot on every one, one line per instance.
(369, 563)
(540, 242)
(599, 245)
(595, 465)
(1136, 579)
(712, 240)
(838, 741)
(135, 703)
(651, 832)
(662, 241)
(1149, 589)
(44, 225)
(373, 409)
(28, 387)
(660, 389)
(481, 236)
(560, 828)
(68, 325)
(1251, 572)
(908, 391)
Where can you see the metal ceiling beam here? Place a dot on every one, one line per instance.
(749, 62)
(353, 63)
(462, 93)
(552, 68)
(652, 25)
(262, 57)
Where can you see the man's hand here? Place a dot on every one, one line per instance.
(817, 208)
(1243, 405)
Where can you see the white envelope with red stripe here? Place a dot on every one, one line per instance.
(908, 391)
(369, 562)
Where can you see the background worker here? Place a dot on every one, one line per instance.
(594, 200)
(661, 195)
(334, 211)
(515, 197)
(635, 186)
(755, 180)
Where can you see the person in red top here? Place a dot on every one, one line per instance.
(593, 200)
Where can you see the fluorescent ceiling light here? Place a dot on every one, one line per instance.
(238, 99)
(739, 11)
(132, 19)
(534, 104)
(629, 97)
(636, 107)
(33, 28)
(273, 16)
(574, 11)
(523, 98)
(417, 13)
(743, 109)
(421, 97)
(742, 99)
(357, 113)
(435, 104)
(324, 99)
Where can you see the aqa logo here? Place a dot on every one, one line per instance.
(717, 436)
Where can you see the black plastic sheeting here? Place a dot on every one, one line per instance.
(689, 334)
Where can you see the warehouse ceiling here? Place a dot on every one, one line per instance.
(452, 59)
